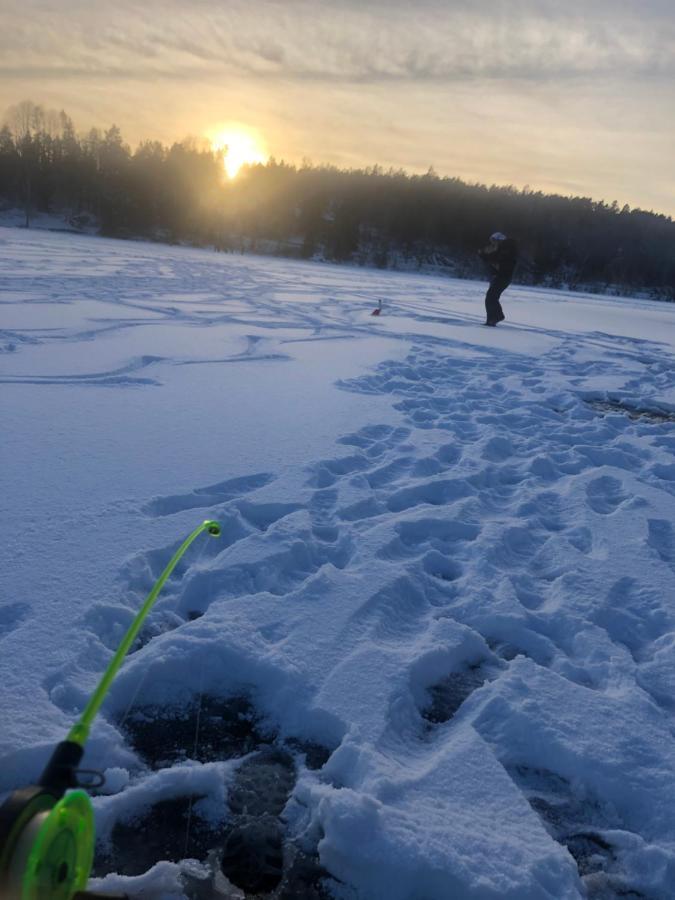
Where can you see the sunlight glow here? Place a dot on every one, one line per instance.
(239, 144)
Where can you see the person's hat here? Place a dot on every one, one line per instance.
(498, 236)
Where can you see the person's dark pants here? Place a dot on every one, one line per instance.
(493, 307)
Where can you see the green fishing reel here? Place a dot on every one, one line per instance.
(47, 832)
(49, 846)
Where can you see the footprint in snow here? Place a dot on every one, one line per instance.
(662, 539)
(448, 694)
(375, 436)
(389, 472)
(11, 616)
(392, 615)
(212, 495)
(634, 616)
(605, 494)
(417, 536)
(582, 824)
(329, 471)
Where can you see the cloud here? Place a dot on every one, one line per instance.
(344, 42)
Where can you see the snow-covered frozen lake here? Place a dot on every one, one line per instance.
(447, 561)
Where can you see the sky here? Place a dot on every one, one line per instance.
(575, 97)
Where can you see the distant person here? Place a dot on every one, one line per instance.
(501, 255)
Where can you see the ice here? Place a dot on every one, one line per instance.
(431, 654)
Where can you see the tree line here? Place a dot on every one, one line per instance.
(369, 216)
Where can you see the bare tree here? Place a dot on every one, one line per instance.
(25, 119)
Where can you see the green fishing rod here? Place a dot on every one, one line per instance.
(47, 831)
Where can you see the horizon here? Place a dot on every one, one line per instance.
(531, 94)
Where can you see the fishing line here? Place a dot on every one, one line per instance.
(195, 748)
(200, 695)
(132, 702)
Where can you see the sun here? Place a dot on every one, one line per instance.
(239, 144)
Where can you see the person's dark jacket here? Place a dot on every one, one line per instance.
(502, 260)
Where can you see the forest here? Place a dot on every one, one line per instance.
(369, 216)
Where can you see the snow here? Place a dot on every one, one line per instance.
(412, 505)
(66, 220)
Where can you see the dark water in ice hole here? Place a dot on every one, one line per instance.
(249, 846)
(656, 416)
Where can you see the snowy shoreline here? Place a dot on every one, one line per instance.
(275, 250)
